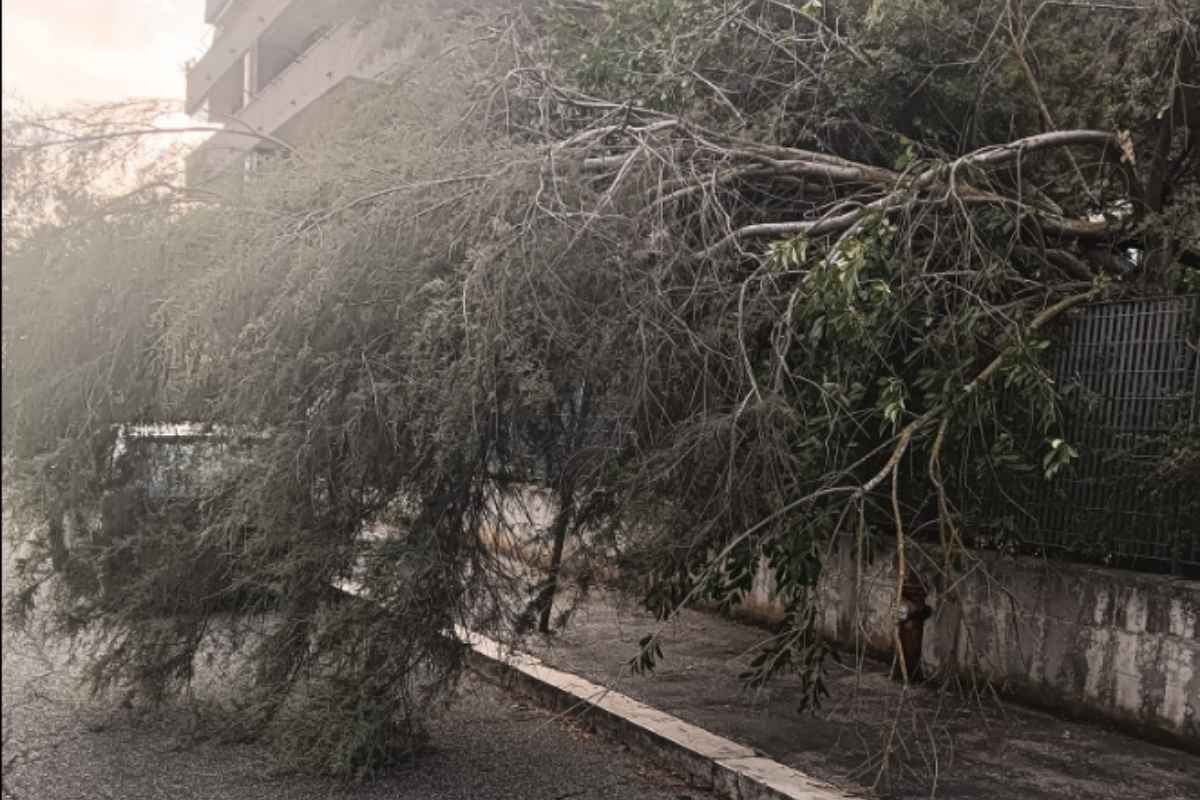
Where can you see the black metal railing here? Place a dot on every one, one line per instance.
(1132, 372)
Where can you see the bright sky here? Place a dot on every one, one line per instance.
(63, 52)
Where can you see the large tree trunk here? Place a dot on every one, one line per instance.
(562, 522)
(56, 535)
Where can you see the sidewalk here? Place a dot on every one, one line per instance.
(965, 748)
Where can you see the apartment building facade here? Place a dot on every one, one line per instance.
(276, 72)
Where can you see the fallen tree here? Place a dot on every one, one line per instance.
(732, 279)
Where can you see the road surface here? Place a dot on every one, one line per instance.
(489, 745)
(60, 745)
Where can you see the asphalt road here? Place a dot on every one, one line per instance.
(489, 745)
(60, 745)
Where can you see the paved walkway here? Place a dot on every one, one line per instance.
(969, 747)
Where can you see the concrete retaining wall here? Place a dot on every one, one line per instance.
(1104, 643)
(1110, 644)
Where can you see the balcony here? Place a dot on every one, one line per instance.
(346, 52)
(241, 33)
(275, 31)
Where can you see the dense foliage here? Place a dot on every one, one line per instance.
(731, 278)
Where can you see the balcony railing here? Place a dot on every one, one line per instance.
(243, 31)
(341, 53)
(251, 21)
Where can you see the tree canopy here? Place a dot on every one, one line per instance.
(730, 277)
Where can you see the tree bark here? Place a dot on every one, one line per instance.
(56, 535)
(562, 522)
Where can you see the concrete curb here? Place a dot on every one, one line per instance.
(710, 761)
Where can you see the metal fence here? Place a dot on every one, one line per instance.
(1132, 370)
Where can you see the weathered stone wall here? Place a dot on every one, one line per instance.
(1106, 643)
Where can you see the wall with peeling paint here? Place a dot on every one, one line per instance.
(1105, 643)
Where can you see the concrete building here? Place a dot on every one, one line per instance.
(277, 70)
